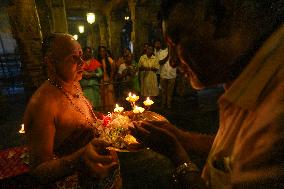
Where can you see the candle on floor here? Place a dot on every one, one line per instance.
(22, 130)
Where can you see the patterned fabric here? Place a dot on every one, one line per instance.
(76, 182)
(13, 162)
(70, 182)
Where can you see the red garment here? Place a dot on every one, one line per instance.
(94, 64)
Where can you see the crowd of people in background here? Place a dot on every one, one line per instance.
(107, 80)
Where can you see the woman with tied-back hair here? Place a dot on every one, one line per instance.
(91, 78)
(107, 90)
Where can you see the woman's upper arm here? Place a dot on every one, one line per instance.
(110, 60)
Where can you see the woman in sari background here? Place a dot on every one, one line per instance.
(107, 89)
(91, 78)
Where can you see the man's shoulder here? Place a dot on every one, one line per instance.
(42, 103)
(44, 96)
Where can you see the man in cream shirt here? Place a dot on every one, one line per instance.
(167, 81)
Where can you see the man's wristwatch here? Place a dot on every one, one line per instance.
(184, 169)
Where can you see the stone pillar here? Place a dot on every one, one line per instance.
(89, 30)
(26, 29)
(104, 38)
(59, 16)
(115, 26)
(142, 29)
(132, 8)
(45, 17)
(93, 37)
(108, 18)
(145, 26)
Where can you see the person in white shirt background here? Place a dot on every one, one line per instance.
(161, 54)
(167, 80)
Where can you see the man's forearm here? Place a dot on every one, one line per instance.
(197, 143)
(54, 169)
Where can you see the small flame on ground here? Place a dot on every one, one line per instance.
(22, 131)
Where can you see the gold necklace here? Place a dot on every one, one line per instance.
(78, 109)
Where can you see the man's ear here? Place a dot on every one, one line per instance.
(49, 62)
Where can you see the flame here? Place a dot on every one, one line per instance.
(138, 109)
(118, 109)
(148, 102)
(22, 130)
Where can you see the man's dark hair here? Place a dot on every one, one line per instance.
(158, 40)
(87, 48)
(146, 43)
(150, 45)
(258, 18)
(271, 10)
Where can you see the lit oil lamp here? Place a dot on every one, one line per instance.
(132, 99)
(128, 98)
(138, 110)
(148, 102)
(118, 109)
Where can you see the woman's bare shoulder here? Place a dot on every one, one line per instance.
(110, 60)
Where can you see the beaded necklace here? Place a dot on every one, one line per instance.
(77, 95)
